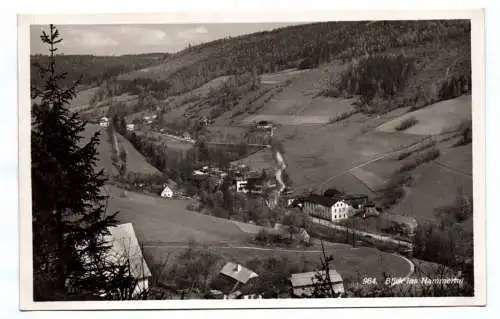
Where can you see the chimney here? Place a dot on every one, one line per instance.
(237, 268)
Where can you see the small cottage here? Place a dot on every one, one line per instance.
(232, 278)
(167, 192)
(104, 121)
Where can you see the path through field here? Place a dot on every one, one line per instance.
(379, 157)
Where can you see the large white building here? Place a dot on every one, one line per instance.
(329, 208)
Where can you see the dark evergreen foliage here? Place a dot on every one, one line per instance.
(69, 217)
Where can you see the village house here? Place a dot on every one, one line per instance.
(264, 125)
(186, 136)
(203, 121)
(167, 192)
(130, 127)
(150, 118)
(302, 284)
(232, 278)
(104, 121)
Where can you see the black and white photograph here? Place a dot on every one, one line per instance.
(252, 164)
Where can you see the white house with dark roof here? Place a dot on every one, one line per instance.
(104, 121)
(167, 192)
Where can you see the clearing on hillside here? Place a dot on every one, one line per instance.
(135, 161)
(436, 118)
(369, 178)
(104, 148)
(83, 97)
(261, 160)
(169, 221)
(434, 186)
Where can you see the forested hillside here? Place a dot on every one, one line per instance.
(93, 69)
(302, 46)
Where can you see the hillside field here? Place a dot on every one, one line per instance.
(164, 225)
(135, 160)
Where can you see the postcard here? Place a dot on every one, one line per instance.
(259, 160)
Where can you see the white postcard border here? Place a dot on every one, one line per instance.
(478, 105)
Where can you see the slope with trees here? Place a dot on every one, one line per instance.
(69, 217)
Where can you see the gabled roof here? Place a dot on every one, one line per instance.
(125, 248)
(318, 199)
(330, 201)
(238, 272)
(306, 278)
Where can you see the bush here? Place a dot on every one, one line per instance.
(465, 129)
(268, 237)
(331, 92)
(394, 190)
(306, 63)
(422, 147)
(406, 123)
(419, 160)
(341, 116)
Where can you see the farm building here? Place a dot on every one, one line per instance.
(303, 283)
(167, 192)
(264, 125)
(235, 281)
(104, 121)
(186, 136)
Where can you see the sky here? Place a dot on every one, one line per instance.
(143, 38)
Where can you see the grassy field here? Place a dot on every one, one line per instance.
(458, 159)
(370, 179)
(259, 160)
(104, 148)
(320, 155)
(433, 186)
(351, 263)
(279, 77)
(436, 118)
(168, 221)
(135, 161)
(166, 226)
(288, 119)
(83, 97)
(348, 183)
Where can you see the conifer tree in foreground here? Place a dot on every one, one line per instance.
(69, 219)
